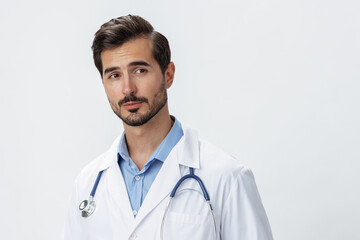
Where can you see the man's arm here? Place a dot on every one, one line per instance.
(244, 216)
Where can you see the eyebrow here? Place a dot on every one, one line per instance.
(110, 69)
(136, 63)
(139, 63)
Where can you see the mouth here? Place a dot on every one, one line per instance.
(132, 105)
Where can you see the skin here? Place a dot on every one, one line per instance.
(131, 72)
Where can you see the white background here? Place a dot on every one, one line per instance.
(273, 82)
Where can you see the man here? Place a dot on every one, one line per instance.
(129, 185)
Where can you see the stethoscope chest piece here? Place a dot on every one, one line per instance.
(87, 207)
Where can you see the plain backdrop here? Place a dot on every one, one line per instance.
(273, 82)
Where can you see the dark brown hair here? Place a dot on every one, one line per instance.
(117, 31)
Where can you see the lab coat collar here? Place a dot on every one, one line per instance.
(110, 156)
(188, 156)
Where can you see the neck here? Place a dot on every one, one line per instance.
(143, 140)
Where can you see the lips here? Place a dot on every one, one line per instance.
(132, 105)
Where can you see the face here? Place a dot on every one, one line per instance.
(134, 83)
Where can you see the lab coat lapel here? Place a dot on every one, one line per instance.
(186, 153)
(161, 187)
(117, 191)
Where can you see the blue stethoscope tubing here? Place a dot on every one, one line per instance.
(172, 195)
(87, 207)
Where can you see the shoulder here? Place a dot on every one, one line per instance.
(224, 169)
(214, 157)
(91, 170)
(227, 178)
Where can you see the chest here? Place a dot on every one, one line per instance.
(188, 215)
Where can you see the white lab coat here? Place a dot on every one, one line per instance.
(239, 213)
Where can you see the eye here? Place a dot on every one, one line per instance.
(114, 75)
(140, 70)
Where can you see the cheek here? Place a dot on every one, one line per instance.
(113, 93)
(152, 88)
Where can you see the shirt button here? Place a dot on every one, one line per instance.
(137, 178)
(134, 212)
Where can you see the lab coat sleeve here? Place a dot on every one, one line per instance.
(243, 214)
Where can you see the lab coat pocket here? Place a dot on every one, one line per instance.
(187, 226)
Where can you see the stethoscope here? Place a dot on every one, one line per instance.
(87, 207)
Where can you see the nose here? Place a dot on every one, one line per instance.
(129, 86)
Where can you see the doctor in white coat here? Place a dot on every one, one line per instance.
(142, 166)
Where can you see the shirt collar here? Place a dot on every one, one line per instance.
(187, 151)
(163, 150)
(171, 139)
(122, 149)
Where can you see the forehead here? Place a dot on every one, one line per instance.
(139, 49)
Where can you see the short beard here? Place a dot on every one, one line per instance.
(135, 119)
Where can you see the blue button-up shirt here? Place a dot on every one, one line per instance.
(139, 182)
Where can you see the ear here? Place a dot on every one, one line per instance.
(169, 74)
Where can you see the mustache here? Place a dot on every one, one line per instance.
(132, 98)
